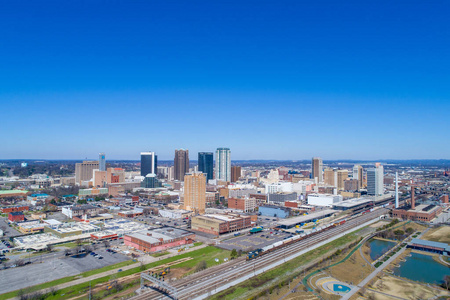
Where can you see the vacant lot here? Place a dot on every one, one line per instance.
(440, 234)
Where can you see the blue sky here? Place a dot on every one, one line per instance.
(269, 79)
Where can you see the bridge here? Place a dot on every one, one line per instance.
(161, 285)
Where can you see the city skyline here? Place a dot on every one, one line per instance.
(345, 80)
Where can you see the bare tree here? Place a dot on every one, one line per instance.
(78, 242)
(106, 243)
(49, 248)
(19, 262)
(67, 252)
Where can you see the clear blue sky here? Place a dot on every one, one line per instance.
(269, 79)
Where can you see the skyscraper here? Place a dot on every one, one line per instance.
(205, 164)
(181, 163)
(235, 173)
(102, 162)
(358, 174)
(223, 164)
(317, 166)
(149, 163)
(329, 177)
(195, 192)
(375, 178)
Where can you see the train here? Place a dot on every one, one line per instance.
(259, 252)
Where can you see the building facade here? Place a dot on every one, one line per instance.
(149, 163)
(85, 171)
(358, 175)
(206, 164)
(195, 192)
(181, 164)
(317, 166)
(244, 204)
(235, 173)
(102, 161)
(223, 164)
(375, 181)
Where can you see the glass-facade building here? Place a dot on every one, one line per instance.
(101, 162)
(149, 163)
(223, 164)
(206, 164)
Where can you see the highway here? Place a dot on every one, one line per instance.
(209, 281)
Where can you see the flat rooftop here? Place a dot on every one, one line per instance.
(305, 219)
(154, 236)
(227, 218)
(424, 208)
(352, 202)
(431, 244)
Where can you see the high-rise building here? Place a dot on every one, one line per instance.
(375, 178)
(358, 174)
(223, 164)
(102, 162)
(317, 166)
(181, 164)
(235, 173)
(85, 171)
(328, 177)
(206, 164)
(342, 175)
(149, 163)
(351, 185)
(195, 192)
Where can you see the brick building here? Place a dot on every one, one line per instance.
(218, 224)
(244, 204)
(16, 216)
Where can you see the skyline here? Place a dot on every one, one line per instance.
(286, 81)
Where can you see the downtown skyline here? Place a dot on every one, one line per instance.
(269, 81)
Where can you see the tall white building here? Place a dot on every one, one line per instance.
(223, 164)
(358, 174)
(375, 180)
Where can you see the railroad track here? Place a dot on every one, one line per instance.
(207, 281)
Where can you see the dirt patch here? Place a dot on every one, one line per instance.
(405, 289)
(440, 234)
(378, 224)
(353, 270)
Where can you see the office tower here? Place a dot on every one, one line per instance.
(181, 164)
(375, 177)
(328, 177)
(342, 175)
(85, 171)
(195, 192)
(150, 182)
(206, 164)
(149, 163)
(235, 173)
(101, 162)
(317, 166)
(223, 164)
(358, 174)
(396, 189)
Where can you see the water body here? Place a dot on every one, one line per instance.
(379, 247)
(423, 268)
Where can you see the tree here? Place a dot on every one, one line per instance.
(446, 283)
(78, 242)
(67, 252)
(239, 253)
(201, 266)
(233, 254)
(106, 243)
(19, 262)
(49, 248)
(409, 230)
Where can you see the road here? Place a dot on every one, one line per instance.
(205, 283)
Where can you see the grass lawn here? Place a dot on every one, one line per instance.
(71, 244)
(208, 254)
(282, 272)
(160, 254)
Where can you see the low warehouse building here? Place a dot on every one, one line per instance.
(217, 224)
(158, 239)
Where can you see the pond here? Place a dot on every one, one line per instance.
(430, 271)
(379, 247)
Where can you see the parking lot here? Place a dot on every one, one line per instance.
(248, 242)
(7, 230)
(36, 273)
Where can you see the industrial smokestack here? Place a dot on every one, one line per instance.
(396, 189)
(413, 201)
